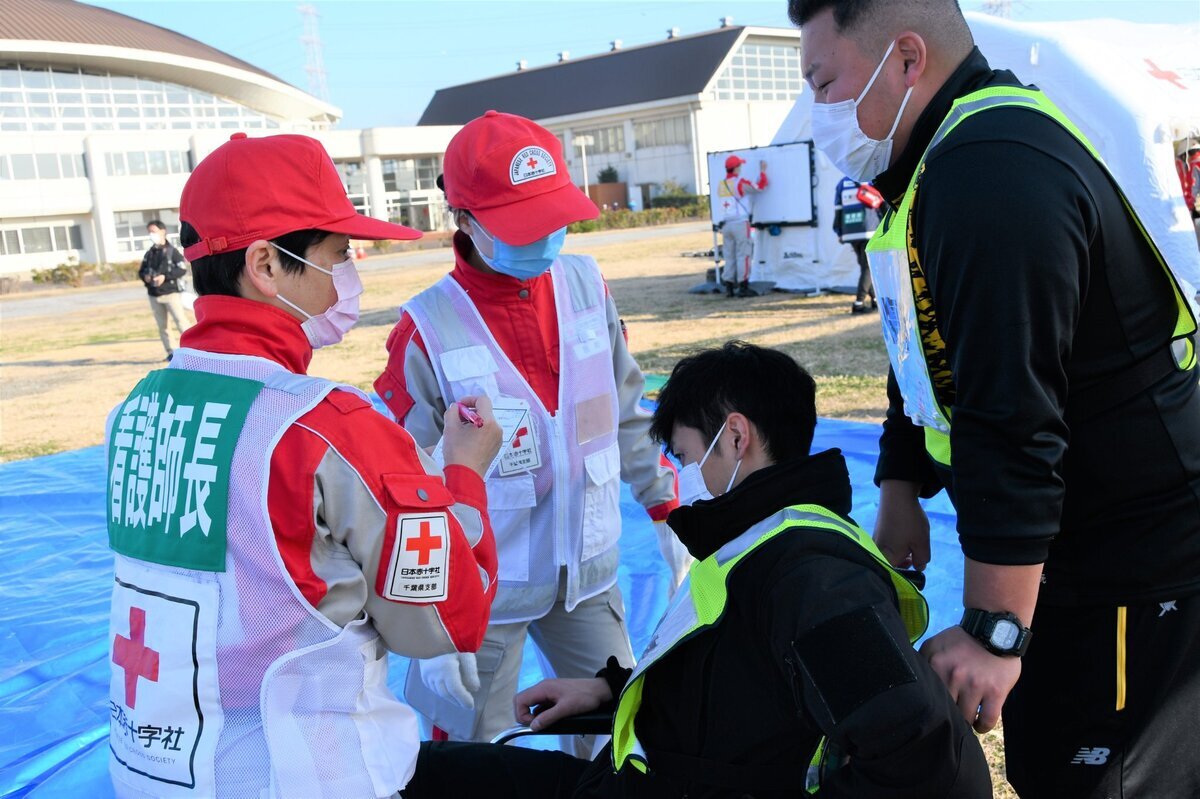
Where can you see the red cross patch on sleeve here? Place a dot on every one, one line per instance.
(418, 570)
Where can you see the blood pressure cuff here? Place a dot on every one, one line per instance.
(851, 659)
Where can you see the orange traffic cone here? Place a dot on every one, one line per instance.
(359, 253)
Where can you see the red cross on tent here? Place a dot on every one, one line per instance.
(424, 544)
(132, 654)
(532, 163)
(1164, 74)
(516, 440)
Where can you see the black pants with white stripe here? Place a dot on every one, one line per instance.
(1108, 704)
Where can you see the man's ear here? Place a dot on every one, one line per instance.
(740, 430)
(463, 220)
(259, 271)
(916, 59)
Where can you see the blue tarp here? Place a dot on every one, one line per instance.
(54, 597)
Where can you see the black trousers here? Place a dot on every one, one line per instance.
(1107, 704)
(865, 287)
(448, 770)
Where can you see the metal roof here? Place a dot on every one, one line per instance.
(78, 23)
(672, 68)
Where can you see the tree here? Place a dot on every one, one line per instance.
(608, 175)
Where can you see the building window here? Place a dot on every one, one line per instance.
(411, 174)
(762, 72)
(662, 132)
(354, 179)
(151, 162)
(41, 238)
(131, 228)
(41, 166)
(607, 140)
(62, 98)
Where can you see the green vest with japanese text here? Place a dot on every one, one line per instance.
(912, 338)
(700, 604)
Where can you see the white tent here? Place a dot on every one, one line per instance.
(1133, 89)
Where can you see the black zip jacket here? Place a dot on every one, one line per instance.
(166, 261)
(1047, 296)
(811, 644)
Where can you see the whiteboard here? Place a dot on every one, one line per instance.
(788, 199)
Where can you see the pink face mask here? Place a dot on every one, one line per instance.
(331, 325)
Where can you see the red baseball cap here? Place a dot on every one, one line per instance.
(250, 189)
(733, 162)
(509, 172)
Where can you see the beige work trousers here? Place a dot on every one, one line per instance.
(162, 306)
(575, 644)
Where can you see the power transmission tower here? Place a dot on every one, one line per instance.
(999, 8)
(314, 62)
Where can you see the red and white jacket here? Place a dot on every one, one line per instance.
(737, 196)
(521, 316)
(339, 478)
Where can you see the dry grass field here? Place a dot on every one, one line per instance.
(61, 372)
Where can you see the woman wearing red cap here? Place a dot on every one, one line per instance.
(737, 206)
(537, 333)
(275, 536)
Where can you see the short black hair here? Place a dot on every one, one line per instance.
(767, 386)
(222, 272)
(940, 19)
(156, 223)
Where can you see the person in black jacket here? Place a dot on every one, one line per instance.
(812, 642)
(1054, 396)
(162, 267)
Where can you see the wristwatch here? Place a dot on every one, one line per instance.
(1000, 633)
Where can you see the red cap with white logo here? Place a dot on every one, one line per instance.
(262, 188)
(733, 162)
(509, 173)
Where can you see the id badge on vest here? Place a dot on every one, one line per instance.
(164, 704)
(902, 335)
(520, 452)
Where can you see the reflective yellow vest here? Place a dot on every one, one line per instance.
(904, 297)
(700, 603)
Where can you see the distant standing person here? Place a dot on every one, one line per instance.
(162, 267)
(854, 220)
(737, 203)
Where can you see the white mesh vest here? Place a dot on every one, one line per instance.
(283, 702)
(565, 512)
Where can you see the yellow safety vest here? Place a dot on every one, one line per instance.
(700, 602)
(905, 300)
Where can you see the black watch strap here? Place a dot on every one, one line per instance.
(1000, 633)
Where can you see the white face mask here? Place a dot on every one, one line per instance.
(329, 326)
(837, 133)
(692, 488)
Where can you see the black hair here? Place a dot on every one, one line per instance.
(940, 19)
(222, 272)
(766, 386)
(156, 223)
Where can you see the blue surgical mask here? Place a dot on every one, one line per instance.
(524, 262)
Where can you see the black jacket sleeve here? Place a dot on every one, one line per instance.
(846, 652)
(902, 447)
(1007, 268)
(176, 263)
(146, 270)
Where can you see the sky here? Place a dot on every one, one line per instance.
(385, 59)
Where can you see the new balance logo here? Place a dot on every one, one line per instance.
(1093, 756)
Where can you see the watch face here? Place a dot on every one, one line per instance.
(1004, 634)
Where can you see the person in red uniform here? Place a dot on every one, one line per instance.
(538, 333)
(321, 506)
(737, 207)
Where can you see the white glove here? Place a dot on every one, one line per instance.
(453, 677)
(678, 559)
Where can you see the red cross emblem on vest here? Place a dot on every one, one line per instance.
(423, 544)
(132, 655)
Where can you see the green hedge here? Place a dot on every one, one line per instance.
(678, 201)
(625, 218)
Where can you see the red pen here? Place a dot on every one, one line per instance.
(469, 415)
